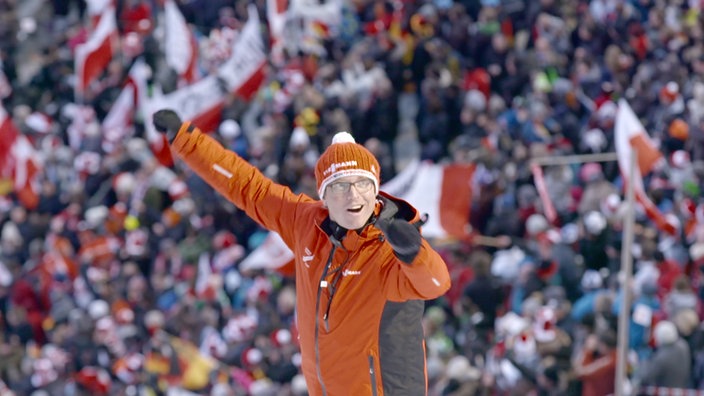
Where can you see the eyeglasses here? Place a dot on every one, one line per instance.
(340, 188)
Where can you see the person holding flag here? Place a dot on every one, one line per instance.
(362, 267)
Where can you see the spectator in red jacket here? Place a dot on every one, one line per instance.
(596, 364)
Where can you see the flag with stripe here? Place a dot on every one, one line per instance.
(117, 124)
(96, 9)
(444, 192)
(631, 138)
(19, 163)
(202, 102)
(92, 57)
(180, 45)
(272, 253)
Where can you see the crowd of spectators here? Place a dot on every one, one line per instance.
(125, 277)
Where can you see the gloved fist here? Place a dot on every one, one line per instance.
(403, 236)
(167, 121)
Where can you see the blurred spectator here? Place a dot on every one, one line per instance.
(595, 365)
(670, 365)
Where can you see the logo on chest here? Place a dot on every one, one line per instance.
(349, 272)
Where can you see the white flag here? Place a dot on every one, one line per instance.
(94, 55)
(630, 137)
(180, 46)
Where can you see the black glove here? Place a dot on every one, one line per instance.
(167, 121)
(403, 236)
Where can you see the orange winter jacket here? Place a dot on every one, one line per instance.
(359, 308)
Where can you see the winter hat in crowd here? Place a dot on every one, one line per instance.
(665, 333)
(678, 129)
(229, 129)
(536, 223)
(591, 280)
(686, 321)
(343, 158)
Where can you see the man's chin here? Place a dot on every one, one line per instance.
(352, 224)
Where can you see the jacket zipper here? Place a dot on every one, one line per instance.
(321, 285)
(372, 375)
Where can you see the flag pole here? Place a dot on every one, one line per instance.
(574, 159)
(627, 269)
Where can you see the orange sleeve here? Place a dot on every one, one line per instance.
(427, 277)
(270, 204)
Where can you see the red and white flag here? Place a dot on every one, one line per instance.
(137, 83)
(630, 137)
(243, 73)
(271, 254)
(96, 9)
(180, 45)
(117, 124)
(202, 102)
(276, 15)
(444, 192)
(19, 162)
(93, 56)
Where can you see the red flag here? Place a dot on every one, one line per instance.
(118, 121)
(96, 9)
(272, 253)
(444, 192)
(243, 73)
(630, 137)
(93, 56)
(181, 47)
(202, 102)
(19, 162)
(117, 124)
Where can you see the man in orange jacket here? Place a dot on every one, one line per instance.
(362, 267)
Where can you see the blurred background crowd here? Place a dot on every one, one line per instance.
(123, 276)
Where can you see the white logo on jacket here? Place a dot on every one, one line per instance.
(351, 272)
(308, 257)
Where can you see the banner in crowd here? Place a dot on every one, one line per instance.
(180, 46)
(19, 163)
(202, 102)
(93, 56)
(444, 192)
(117, 124)
(307, 24)
(96, 9)
(630, 137)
